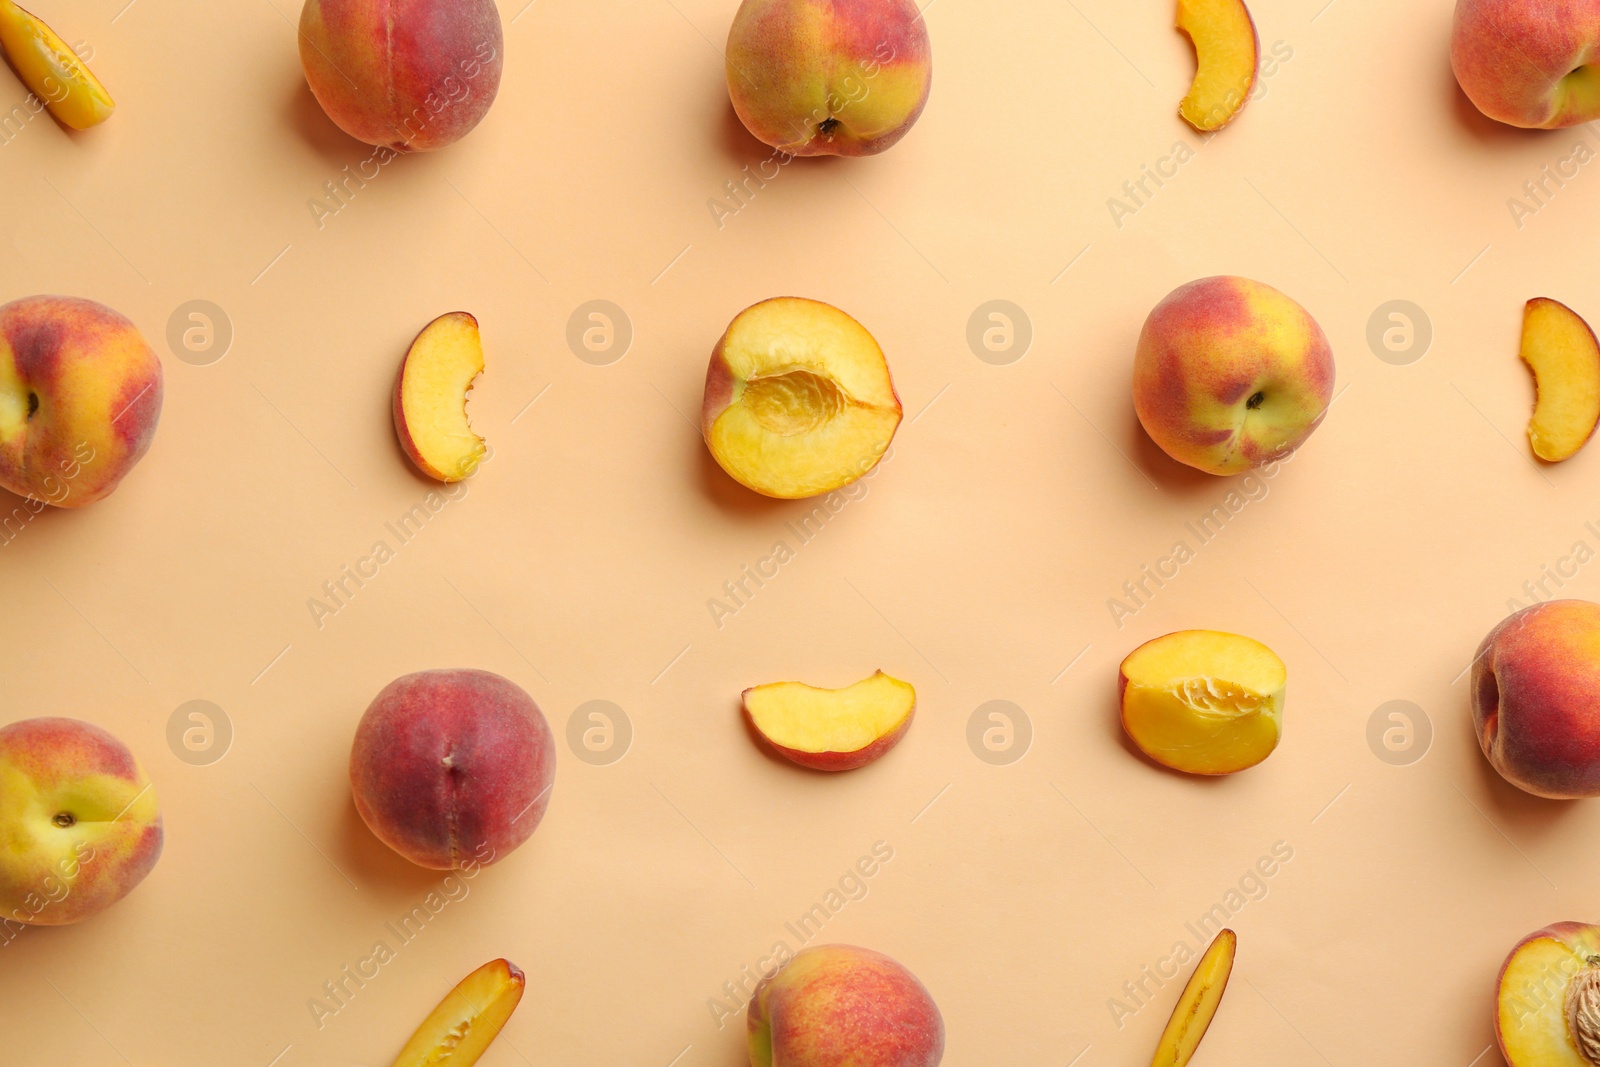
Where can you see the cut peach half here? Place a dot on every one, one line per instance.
(1227, 53)
(52, 70)
(430, 398)
(832, 729)
(467, 1020)
(1203, 702)
(1560, 349)
(1198, 1003)
(798, 399)
(1547, 1001)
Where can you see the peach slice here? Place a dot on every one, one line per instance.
(49, 67)
(1227, 52)
(1560, 349)
(1203, 702)
(1547, 1000)
(430, 398)
(467, 1020)
(1198, 1003)
(833, 729)
(798, 399)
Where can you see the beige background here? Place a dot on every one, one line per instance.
(978, 565)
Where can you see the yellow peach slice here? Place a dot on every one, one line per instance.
(430, 398)
(1560, 349)
(467, 1020)
(1203, 702)
(1198, 1003)
(1227, 53)
(832, 729)
(798, 399)
(49, 67)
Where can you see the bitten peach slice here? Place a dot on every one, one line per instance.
(1547, 1001)
(1198, 1003)
(1227, 52)
(1560, 349)
(833, 729)
(1202, 701)
(49, 67)
(430, 398)
(798, 399)
(467, 1020)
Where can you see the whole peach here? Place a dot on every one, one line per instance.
(1531, 63)
(842, 1006)
(80, 397)
(829, 77)
(452, 768)
(1231, 374)
(79, 823)
(411, 75)
(1536, 698)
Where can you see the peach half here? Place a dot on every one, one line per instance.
(1536, 698)
(1227, 53)
(50, 68)
(798, 399)
(1561, 351)
(467, 1020)
(430, 398)
(1203, 701)
(832, 729)
(1547, 999)
(1197, 1004)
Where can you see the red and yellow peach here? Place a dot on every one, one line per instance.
(1231, 374)
(1531, 63)
(829, 77)
(452, 767)
(80, 397)
(79, 823)
(412, 75)
(1536, 698)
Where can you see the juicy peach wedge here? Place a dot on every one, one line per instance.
(1227, 53)
(1561, 350)
(833, 729)
(467, 1020)
(49, 67)
(430, 398)
(1202, 701)
(1198, 1003)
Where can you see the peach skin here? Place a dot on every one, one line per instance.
(832, 729)
(841, 1006)
(829, 77)
(80, 396)
(411, 75)
(451, 768)
(79, 822)
(1536, 698)
(52, 70)
(1530, 63)
(430, 398)
(1231, 374)
(1547, 998)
